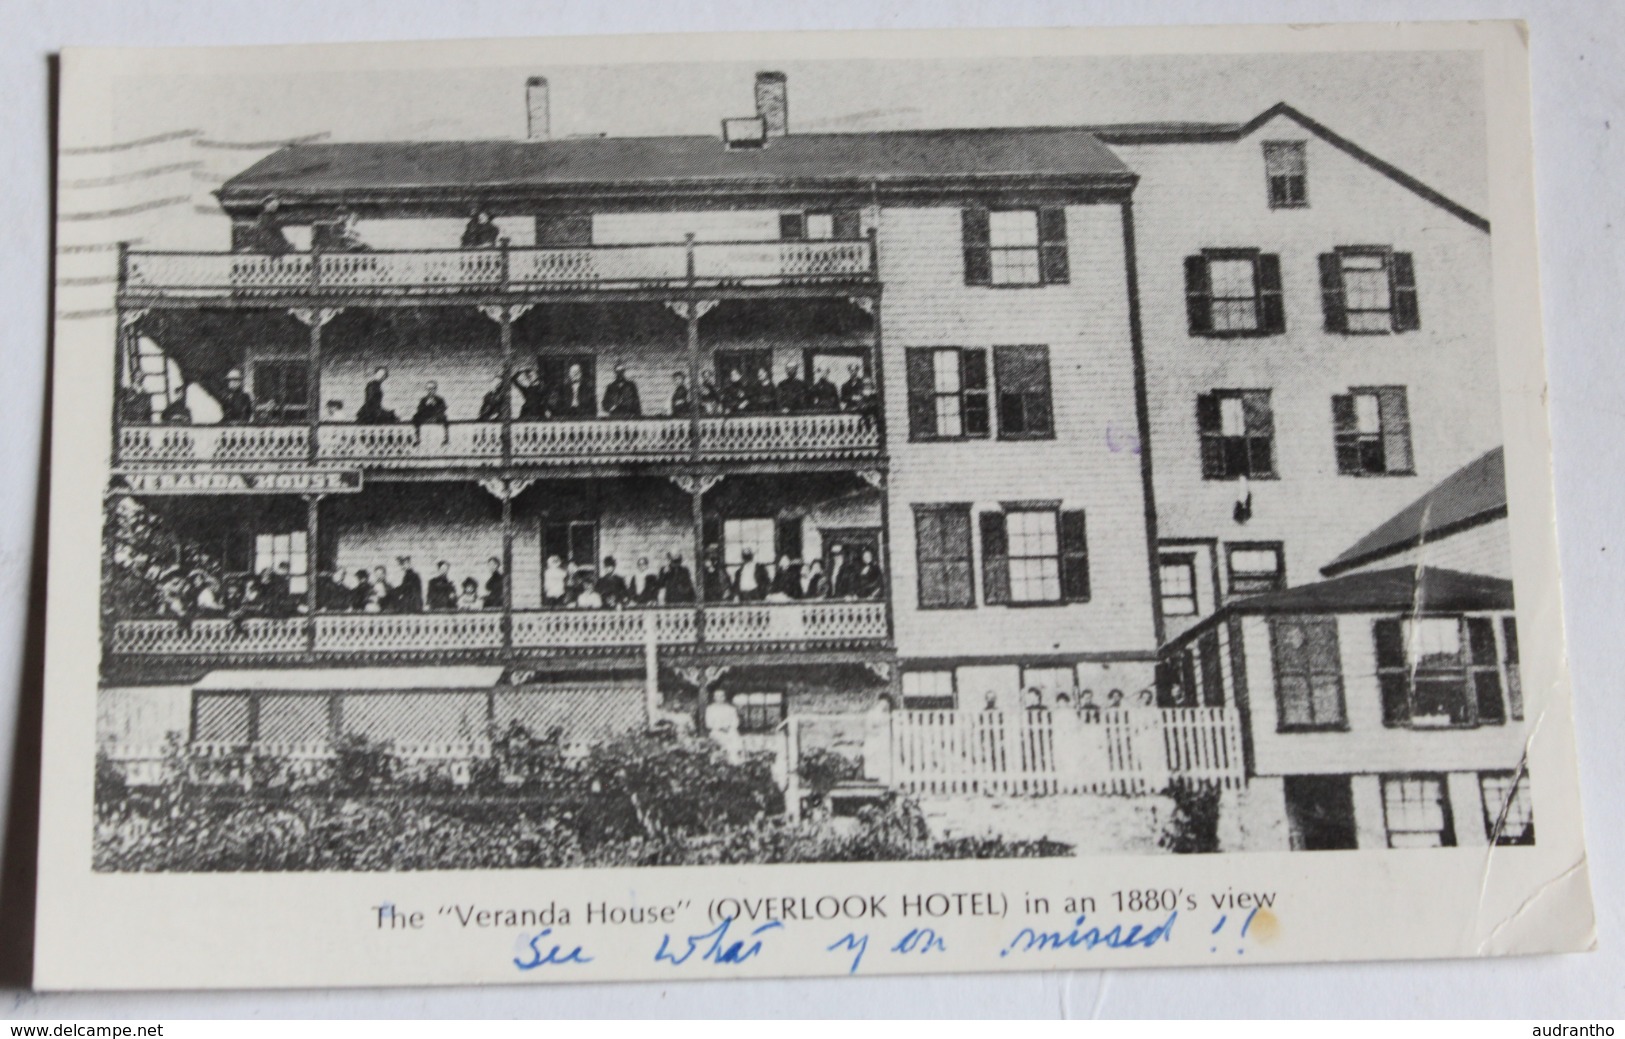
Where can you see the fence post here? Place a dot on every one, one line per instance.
(792, 769)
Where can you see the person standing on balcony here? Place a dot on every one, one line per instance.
(681, 404)
(750, 580)
(823, 397)
(763, 401)
(841, 573)
(372, 411)
(815, 585)
(869, 582)
(786, 584)
(713, 578)
(380, 596)
(177, 413)
(264, 235)
(792, 391)
(555, 583)
(610, 586)
(409, 593)
(735, 395)
(533, 398)
(643, 587)
(470, 599)
(361, 594)
(339, 236)
(493, 585)
(494, 405)
(481, 231)
(621, 396)
(442, 591)
(236, 406)
(855, 391)
(676, 583)
(575, 397)
(431, 411)
(710, 399)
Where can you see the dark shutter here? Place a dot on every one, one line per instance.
(1486, 671)
(995, 559)
(711, 532)
(1208, 426)
(1198, 296)
(1345, 440)
(1053, 268)
(1509, 636)
(1406, 315)
(943, 556)
(792, 227)
(1074, 558)
(973, 382)
(847, 224)
(1022, 376)
(1389, 636)
(787, 537)
(978, 250)
(1331, 293)
(564, 229)
(922, 409)
(1395, 419)
(1271, 311)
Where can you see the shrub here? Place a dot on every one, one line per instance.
(1193, 826)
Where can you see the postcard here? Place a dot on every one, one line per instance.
(832, 504)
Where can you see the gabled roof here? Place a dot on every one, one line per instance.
(1218, 133)
(1474, 494)
(430, 168)
(1411, 589)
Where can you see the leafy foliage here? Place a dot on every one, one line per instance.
(1193, 826)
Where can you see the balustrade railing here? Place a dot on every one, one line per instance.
(402, 443)
(796, 622)
(235, 444)
(591, 628)
(805, 435)
(210, 636)
(602, 439)
(406, 632)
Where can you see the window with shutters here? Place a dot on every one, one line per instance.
(1287, 173)
(1234, 293)
(1371, 432)
(948, 393)
(760, 711)
(820, 225)
(1308, 674)
(1509, 656)
(1015, 247)
(1177, 584)
(282, 389)
(1034, 556)
(574, 542)
(1368, 290)
(283, 552)
(1021, 375)
(760, 537)
(1438, 672)
(1237, 429)
(1416, 811)
(1509, 814)
(929, 691)
(943, 561)
(1255, 567)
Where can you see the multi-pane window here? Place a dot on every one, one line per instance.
(1417, 812)
(574, 542)
(1509, 814)
(1237, 429)
(947, 393)
(1368, 289)
(1177, 579)
(1015, 246)
(928, 690)
(282, 389)
(156, 376)
(760, 536)
(273, 551)
(1308, 673)
(841, 223)
(1234, 292)
(1255, 567)
(942, 546)
(1371, 432)
(1287, 172)
(1438, 672)
(759, 712)
(1021, 374)
(1034, 555)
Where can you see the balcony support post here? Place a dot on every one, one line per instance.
(314, 318)
(697, 517)
(878, 416)
(313, 567)
(505, 330)
(507, 568)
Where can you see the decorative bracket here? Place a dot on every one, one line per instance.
(128, 319)
(697, 484)
(506, 489)
(881, 668)
(521, 675)
(873, 477)
(505, 313)
(703, 677)
(863, 303)
(315, 317)
(698, 308)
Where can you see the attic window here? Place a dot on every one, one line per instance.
(744, 132)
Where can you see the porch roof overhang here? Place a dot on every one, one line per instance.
(348, 679)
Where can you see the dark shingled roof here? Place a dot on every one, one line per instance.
(632, 161)
(1473, 494)
(1413, 589)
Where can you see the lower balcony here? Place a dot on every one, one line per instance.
(830, 623)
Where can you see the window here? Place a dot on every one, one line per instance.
(1234, 292)
(1371, 432)
(1015, 247)
(823, 226)
(760, 536)
(1368, 290)
(1320, 813)
(947, 393)
(272, 551)
(1287, 173)
(282, 389)
(1308, 674)
(1237, 429)
(1177, 578)
(575, 542)
(1198, 679)
(1438, 672)
(1417, 812)
(1034, 555)
(928, 690)
(1255, 566)
(1021, 374)
(1509, 816)
(759, 712)
(156, 376)
(564, 229)
(942, 549)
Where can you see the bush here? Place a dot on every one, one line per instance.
(1193, 827)
(823, 770)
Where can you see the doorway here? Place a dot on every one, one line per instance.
(1320, 813)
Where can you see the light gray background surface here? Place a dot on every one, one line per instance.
(1579, 91)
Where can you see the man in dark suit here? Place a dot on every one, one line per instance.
(494, 405)
(431, 411)
(264, 235)
(735, 393)
(532, 395)
(682, 405)
(676, 583)
(236, 406)
(841, 573)
(855, 391)
(714, 578)
(409, 593)
(750, 580)
(575, 397)
(643, 587)
(442, 589)
(762, 399)
(823, 396)
(480, 232)
(621, 396)
(493, 586)
(372, 411)
(610, 586)
(178, 413)
(870, 581)
(792, 391)
(710, 397)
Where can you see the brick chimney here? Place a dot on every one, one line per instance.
(773, 102)
(536, 117)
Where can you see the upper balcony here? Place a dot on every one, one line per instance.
(501, 271)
